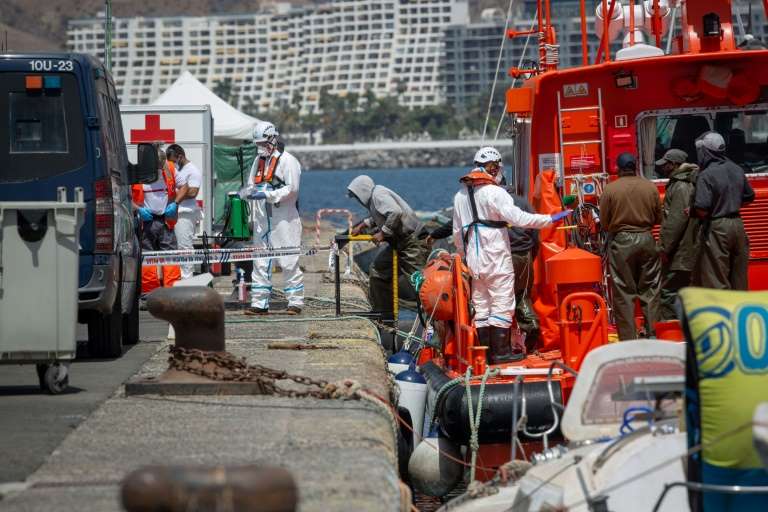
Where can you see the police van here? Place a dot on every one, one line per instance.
(61, 128)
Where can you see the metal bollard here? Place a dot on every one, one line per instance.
(196, 314)
(197, 489)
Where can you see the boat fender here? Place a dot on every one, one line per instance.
(399, 362)
(413, 396)
(433, 472)
(452, 411)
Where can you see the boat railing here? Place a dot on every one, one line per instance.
(554, 405)
(700, 487)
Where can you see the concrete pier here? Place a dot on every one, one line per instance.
(342, 454)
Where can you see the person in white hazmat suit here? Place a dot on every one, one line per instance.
(482, 211)
(273, 187)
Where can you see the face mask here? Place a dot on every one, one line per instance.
(700, 153)
(264, 151)
(499, 176)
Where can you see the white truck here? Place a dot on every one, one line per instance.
(191, 127)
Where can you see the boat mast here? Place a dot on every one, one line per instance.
(584, 46)
(108, 36)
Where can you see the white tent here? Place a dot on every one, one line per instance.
(229, 124)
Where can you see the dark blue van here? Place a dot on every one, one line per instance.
(61, 128)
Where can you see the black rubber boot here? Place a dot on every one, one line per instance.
(483, 336)
(501, 349)
(531, 340)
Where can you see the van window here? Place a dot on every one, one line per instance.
(42, 133)
(38, 124)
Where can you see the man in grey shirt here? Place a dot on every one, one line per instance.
(721, 190)
(391, 220)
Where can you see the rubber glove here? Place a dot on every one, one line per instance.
(171, 211)
(557, 217)
(257, 195)
(145, 214)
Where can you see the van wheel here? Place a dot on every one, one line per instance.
(131, 319)
(105, 332)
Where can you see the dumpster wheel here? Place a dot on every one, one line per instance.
(53, 378)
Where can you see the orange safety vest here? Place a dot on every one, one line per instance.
(477, 177)
(137, 191)
(265, 174)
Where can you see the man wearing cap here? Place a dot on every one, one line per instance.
(721, 190)
(679, 231)
(629, 208)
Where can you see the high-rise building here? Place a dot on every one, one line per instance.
(472, 50)
(291, 53)
(426, 49)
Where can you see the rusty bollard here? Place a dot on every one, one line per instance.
(196, 314)
(198, 489)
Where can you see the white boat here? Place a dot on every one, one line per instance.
(625, 442)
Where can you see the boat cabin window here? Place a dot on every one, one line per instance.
(745, 133)
(601, 406)
(521, 164)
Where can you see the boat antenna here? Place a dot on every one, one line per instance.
(671, 32)
(514, 80)
(498, 67)
(740, 22)
(108, 36)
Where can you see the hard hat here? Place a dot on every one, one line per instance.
(487, 154)
(264, 131)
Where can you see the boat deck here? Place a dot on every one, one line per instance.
(342, 454)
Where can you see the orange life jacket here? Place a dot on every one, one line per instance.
(477, 177)
(137, 191)
(264, 173)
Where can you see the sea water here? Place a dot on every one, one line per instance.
(427, 189)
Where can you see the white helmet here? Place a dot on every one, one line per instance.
(487, 154)
(264, 131)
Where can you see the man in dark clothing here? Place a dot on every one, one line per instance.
(679, 231)
(392, 220)
(721, 190)
(523, 245)
(629, 208)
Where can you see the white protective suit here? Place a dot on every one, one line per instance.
(276, 224)
(487, 253)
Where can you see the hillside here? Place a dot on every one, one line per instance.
(33, 30)
(29, 29)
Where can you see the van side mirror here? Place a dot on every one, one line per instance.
(145, 170)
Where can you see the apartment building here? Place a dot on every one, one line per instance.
(472, 50)
(426, 48)
(285, 54)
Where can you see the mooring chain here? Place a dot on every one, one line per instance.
(225, 366)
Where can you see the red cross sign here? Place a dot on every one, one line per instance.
(152, 131)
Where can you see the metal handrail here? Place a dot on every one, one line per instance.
(700, 487)
(343, 239)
